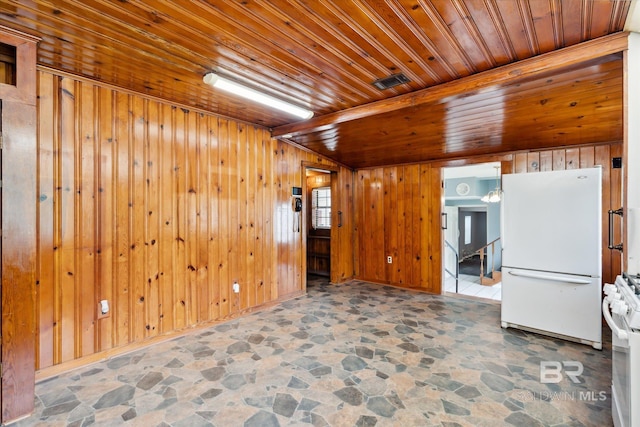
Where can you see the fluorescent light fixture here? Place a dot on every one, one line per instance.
(230, 86)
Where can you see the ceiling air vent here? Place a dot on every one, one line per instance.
(391, 81)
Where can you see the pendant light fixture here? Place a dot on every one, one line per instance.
(494, 196)
(222, 83)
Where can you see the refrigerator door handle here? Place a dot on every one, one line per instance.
(611, 232)
(542, 276)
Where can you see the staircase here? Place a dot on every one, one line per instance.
(494, 276)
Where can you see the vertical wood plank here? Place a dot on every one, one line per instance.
(191, 217)
(377, 224)
(251, 187)
(66, 316)
(203, 230)
(546, 161)
(45, 265)
(616, 201)
(224, 221)
(558, 159)
(261, 263)
(180, 283)
(602, 157)
(533, 162)
(572, 158)
(242, 201)
(587, 155)
(390, 223)
(137, 208)
(416, 237)
(271, 291)
(86, 222)
(106, 256)
(520, 163)
(213, 250)
(152, 219)
(121, 303)
(168, 222)
(233, 213)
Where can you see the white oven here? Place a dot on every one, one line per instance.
(621, 309)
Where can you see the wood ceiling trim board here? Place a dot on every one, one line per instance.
(337, 75)
(302, 91)
(441, 25)
(529, 29)
(355, 55)
(371, 36)
(572, 22)
(113, 44)
(348, 40)
(432, 50)
(475, 33)
(395, 14)
(200, 37)
(507, 74)
(556, 15)
(544, 22)
(313, 27)
(501, 29)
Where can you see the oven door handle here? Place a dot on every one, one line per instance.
(620, 333)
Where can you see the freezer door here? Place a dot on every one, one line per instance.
(552, 221)
(555, 303)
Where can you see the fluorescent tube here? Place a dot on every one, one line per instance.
(230, 86)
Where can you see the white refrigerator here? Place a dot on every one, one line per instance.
(552, 253)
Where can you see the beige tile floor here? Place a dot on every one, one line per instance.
(355, 354)
(470, 286)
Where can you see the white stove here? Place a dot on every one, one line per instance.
(624, 298)
(621, 310)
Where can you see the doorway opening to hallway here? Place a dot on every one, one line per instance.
(472, 249)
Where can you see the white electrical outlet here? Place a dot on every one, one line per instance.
(389, 260)
(103, 309)
(236, 287)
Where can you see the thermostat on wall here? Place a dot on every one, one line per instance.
(296, 191)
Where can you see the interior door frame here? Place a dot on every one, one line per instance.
(506, 166)
(18, 240)
(305, 213)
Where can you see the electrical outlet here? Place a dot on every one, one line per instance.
(389, 260)
(236, 287)
(103, 309)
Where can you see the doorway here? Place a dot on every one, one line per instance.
(318, 223)
(472, 226)
(471, 238)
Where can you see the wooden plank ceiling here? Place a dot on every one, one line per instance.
(325, 54)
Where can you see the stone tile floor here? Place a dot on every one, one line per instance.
(355, 354)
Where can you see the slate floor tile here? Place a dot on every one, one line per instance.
(354, 354)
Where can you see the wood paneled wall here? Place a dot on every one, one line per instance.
(398, 213)
(158, 210)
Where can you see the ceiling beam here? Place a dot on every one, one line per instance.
(507, 74)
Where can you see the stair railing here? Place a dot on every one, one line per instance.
(457, 273)
(481, 252)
